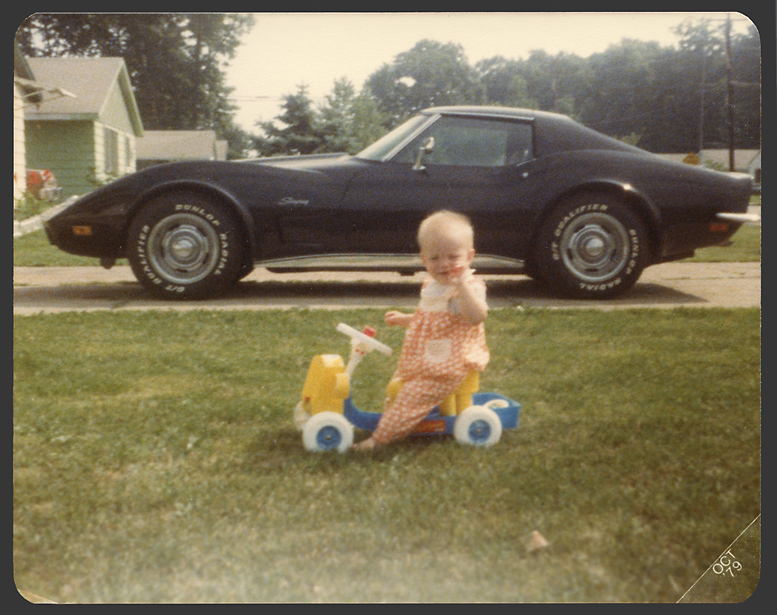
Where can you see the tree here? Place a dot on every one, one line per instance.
(427, 75)
(495, 76)
(505, 83)
(349, 123)
(746, 70)
(620, 94)
(664, 99)
(703, 49)
(542, 81)
(702, 71)
(175, 60)
(337, 118)
(299, 132)
(368, 121)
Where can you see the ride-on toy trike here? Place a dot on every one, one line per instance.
(327, 416)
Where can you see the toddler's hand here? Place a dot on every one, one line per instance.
(394, 318)
(460, 275)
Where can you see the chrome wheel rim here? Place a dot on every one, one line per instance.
(595, 247)
(183, 248)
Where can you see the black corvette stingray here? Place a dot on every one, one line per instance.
(580, 211)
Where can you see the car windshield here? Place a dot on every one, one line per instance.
(387, 143)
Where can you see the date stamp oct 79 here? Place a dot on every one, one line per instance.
(727, 563)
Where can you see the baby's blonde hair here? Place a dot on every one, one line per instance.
(448, 224)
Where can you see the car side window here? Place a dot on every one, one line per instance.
(462, 141)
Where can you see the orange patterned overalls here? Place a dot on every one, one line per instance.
(439, 350)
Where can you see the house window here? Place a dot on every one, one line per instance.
(111, 152)
(127, 154)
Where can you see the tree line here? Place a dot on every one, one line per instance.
(704, 94)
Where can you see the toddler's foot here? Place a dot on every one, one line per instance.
(365, 445)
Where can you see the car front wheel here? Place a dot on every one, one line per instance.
(591, 247)
(185, 246)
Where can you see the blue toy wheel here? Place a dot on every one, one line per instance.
(477, 426)
(327, 431)
(328, 437)
(479, 431)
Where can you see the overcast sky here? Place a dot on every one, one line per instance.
(285, 50)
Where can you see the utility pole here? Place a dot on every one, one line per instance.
(730, 84)
(701, 101)
(729, 95)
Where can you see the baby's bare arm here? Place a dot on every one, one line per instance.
(394, 318)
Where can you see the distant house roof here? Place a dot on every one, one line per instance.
(179, 144)
(675, 157)
(90, 80)
(24, 78)
(743, 158)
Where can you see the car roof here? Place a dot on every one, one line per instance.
(493, 111)
(558, 132)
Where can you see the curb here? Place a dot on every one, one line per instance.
(22, 227)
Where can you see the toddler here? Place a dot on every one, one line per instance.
(445, 337)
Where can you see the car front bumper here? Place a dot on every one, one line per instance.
(740, 218)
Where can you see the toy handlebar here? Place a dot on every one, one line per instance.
(363, 338)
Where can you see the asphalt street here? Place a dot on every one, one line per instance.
(671, 285)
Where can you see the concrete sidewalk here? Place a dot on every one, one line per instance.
(671, 285)
(55, 289)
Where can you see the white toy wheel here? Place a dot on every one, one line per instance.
(477, 426)
(327, 431)
(300, 416)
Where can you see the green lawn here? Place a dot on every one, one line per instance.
(34, 250)
(155, 460)
(745, 247)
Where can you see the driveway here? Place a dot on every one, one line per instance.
(58, 289)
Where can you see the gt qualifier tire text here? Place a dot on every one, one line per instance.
(185, 246)
(591, 247)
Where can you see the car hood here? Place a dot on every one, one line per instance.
(327, 164)
(131, 188)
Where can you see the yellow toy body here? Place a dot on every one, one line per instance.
(326, 385)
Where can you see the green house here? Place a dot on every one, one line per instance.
(88, 138)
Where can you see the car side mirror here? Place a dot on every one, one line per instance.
(427, 147)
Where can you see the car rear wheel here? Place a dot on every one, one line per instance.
(591, 247)
(185, 246)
